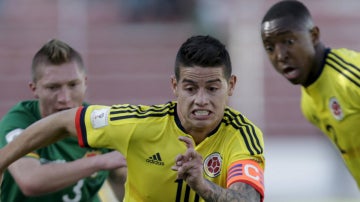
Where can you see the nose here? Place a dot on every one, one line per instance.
(201, 97)
(64, 95)
(281, 52)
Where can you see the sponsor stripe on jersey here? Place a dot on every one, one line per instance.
(346, 69)
(246, 129)
(119, 112)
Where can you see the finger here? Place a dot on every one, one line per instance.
(181, 173)
(178, 162)
(179, 157)
(190, 154)
(188, 141)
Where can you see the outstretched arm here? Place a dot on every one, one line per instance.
(35, 179)
(42, 133)
(190, 168)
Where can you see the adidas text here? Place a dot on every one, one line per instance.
(155, 162)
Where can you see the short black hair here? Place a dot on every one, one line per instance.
(288, 8)
(203, 51)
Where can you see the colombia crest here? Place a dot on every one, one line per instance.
(212, 165)
(335, 109)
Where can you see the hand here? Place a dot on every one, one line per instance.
(189, 165)
(111, 160)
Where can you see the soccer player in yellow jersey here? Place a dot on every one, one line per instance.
(329, 78)
(195, 148)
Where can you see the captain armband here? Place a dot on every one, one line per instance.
(247, 171)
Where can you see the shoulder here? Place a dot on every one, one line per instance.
(244, 132)
(236, 118)
(344, 55)
(19, 117)
(345, 62)
(28, 108)
(101, 114)
(239, 123)
(143, 110)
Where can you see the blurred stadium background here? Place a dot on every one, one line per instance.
(129, 47)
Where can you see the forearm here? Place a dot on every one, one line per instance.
(237, 192)
(39, 134)
(117, 179)
(51, 177)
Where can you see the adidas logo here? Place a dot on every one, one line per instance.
(155, 159)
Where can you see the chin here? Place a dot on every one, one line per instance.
(203, 124)
(294, 82)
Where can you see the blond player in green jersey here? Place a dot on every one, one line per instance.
(60, 172)
(329, 78)
(193, 149)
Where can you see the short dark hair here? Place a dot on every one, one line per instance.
(55, 52)
(288, 8)
(203, 51)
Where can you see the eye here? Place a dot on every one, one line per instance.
(73, 84)
(213, 89)
(290, 41)
(52, 87)
(269, 48)
(190, 89)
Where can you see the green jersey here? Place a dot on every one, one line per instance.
(18, 118)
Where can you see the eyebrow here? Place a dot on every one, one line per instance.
(280, 33)
(193, 82)
(57, 83)
(268, 39)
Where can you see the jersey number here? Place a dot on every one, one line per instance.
(187, 192)
(77, 191)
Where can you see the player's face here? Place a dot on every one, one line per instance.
(59, 87)
(202, 95)
(291, 50)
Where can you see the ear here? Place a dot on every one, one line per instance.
(231, 83)
(86, 82)
(315, 35)
(32, 87)
(174, 85)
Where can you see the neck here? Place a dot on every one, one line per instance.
(317, 65)
(198, 136)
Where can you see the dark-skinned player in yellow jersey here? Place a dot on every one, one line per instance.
(329, 78)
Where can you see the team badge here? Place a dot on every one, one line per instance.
(212, 165)
(99, 117)
(335, 109)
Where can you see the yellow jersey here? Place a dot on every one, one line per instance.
(148, 137)
(332, 103)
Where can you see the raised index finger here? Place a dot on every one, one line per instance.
(188, 141)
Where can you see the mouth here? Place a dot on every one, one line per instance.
(291, 73)
(62, 109)
(201, 114)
